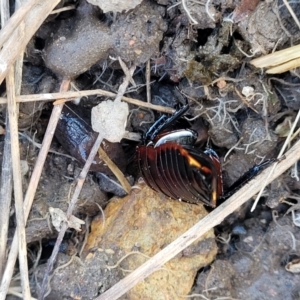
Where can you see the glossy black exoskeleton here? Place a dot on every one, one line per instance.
(171, 163)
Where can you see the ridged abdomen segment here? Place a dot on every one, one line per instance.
(181, 172)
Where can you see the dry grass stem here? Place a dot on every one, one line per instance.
(244, 100)
(128, 73)
(17, 181)
(136, 102)
(5, 197)
(148, 87)
(128, 78)
(6, 172)
(80, 182)
(66, 8)
(280, 61)
(77, 94)
(13, 87)
(112, 166)
(31, 191)
(14, 45)
(290, 65)
(207, 223)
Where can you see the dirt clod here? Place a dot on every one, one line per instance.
(85, 40)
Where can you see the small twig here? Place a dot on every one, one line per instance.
(17, 180)
(207, 223)
(128, 78)
(148, 87)
(243, 52)
(13, 86)
(174, 5)
(5, 197)
(287, 66)
(227, 79)
(295, 134)
(6, 172)
(57, 11)
(112, 166)
(38, 256)
(244, 99)
(36, 174)
(12, 291)
(75, 94)
(128, 100)
(80, 182)
(128, 73)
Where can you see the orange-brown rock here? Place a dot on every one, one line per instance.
(139, 226)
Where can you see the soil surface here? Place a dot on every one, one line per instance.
(200, 55)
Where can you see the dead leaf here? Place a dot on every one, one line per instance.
(58, 217)
(284, 127)
(293, 266)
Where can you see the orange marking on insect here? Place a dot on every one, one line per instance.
(193, 162)
(214, 198)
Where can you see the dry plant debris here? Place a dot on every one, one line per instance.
(279, 61)
(58, 217)
(293, 266)
(115, 5)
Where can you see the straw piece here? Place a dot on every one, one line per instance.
(114, 168)
(5, 197)
(277, 58)
(17, 180)
(78, 94)
(292, 64)
(36, 174)
(6, 172)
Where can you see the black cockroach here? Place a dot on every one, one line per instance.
(171, 163)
